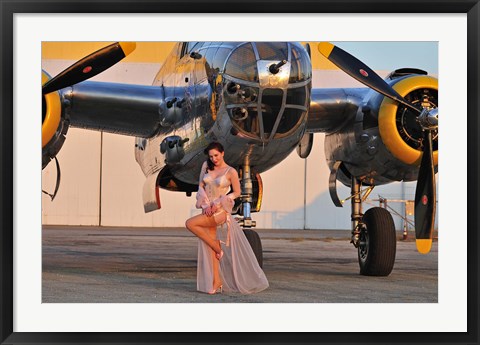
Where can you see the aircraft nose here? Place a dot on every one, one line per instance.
(267, 87)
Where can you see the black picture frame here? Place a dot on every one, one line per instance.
(10, 7)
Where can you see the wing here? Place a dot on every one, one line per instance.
(134, 110)
(330, 109)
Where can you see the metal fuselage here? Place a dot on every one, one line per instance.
(227, 92)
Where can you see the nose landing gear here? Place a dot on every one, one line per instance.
(245, 220)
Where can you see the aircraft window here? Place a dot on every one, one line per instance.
(301, 69)
(180, 48)
(211, 70)
(220, 57)
(242, 63)
(193, 46)
(297, 96)
(271, 104)
(229, 45)
(184, 49)
(247, 123)
(290, 118)
(189, 47)
(209, 53)
(272, 50)
(241, 95)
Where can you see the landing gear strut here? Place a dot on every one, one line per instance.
(247, 195)
(373, 234)
(246, 221)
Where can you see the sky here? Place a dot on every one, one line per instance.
(394, 55)
(385, 56)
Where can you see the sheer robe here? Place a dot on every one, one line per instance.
(239, 269)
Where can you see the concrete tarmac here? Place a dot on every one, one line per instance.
(158, 265)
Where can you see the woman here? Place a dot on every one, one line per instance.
(233, 266)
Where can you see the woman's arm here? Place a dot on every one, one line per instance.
(201, 184)
(235, 182)
(202, 199)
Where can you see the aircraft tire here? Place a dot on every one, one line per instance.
(255, 243)
(378, 243)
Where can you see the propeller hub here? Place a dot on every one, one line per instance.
(428, 119)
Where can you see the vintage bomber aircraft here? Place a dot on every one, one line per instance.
(256, 98)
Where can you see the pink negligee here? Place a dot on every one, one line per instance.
(239, 269)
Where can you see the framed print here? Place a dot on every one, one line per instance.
(274, 98)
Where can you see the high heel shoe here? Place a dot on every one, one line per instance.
(217, 290)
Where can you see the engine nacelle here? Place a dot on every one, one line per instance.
(54, 124)
(396, 126)
(383, 142)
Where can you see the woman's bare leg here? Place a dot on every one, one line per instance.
(216, 276)
(200, 225)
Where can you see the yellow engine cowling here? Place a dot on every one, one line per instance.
(54, 124)
(387, 120)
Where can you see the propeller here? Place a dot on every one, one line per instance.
(89, 66)
(82, 70)
(358, 70)
(425, 198)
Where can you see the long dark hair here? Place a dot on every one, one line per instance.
(213, 145)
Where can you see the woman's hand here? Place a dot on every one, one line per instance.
(210, 210)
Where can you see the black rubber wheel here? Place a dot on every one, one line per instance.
(255, 243)
(378, 243)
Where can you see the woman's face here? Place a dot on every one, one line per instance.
(216, 156)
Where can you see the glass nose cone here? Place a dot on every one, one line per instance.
(265, 102)
(242, 64)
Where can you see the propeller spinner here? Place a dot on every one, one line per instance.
(425, 195)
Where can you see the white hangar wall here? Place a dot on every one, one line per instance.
(101, 183)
